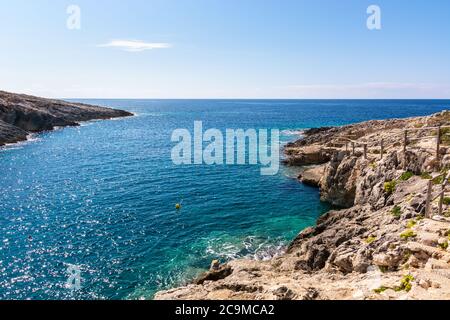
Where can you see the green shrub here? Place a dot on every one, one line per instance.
(406, 176)
(380, 289)
(411, 223)
(446, 201)
(438, 180)
(407, 234)
(371, 239)
(405, 283)
(444, 245)
(396, 211)
(426, 176)
(389, 187)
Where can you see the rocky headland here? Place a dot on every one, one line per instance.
(381, 242)
(21, 115)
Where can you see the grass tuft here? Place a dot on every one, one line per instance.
(389, 187)
(396, 212)
(411, 223)
(405, 283)
(426, 176)
(406, 176)
(371, 239)
(408, 234)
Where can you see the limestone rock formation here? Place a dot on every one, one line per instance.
(312, 175)
(21, 115)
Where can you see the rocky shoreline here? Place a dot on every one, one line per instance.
(380, 245)
(21, 115)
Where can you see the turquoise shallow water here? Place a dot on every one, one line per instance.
(102, 196)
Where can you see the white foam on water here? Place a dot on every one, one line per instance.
(31, 138)
(250, 248)
(135, 114)
(291, 132)
(86, 123)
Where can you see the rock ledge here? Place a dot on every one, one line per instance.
(21, 115)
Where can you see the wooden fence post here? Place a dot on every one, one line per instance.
(405, 141)
(353, 147)
(441, 200)
(428, 203)
(365, 151)
(438, 143)
(382, 148)
(405, 144)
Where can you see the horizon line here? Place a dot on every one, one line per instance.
(292, 99)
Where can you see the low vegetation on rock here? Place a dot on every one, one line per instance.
(406, 176)
(408, 234)
(389, 187)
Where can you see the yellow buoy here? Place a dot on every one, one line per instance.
(178, 206)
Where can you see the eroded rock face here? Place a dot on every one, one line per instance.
(310, 155)
(22, 114)
(338, 184)
(417, 162)
(312, 175)
(370, 186)
(214, 275)
(11, 134)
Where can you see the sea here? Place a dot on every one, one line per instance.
(89, 212)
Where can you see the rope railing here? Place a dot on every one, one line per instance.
(355, 144)
(407, 140)
(406, 143)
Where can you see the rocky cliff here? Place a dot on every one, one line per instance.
(379, 245)
(21, 115)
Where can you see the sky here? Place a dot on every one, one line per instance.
(255, 49)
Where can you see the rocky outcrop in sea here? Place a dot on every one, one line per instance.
(384, 240)
(21, 115)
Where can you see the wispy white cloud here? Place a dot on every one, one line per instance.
(135, 45)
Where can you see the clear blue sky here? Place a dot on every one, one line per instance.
(226, 49)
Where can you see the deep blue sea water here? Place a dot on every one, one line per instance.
(102, 197)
